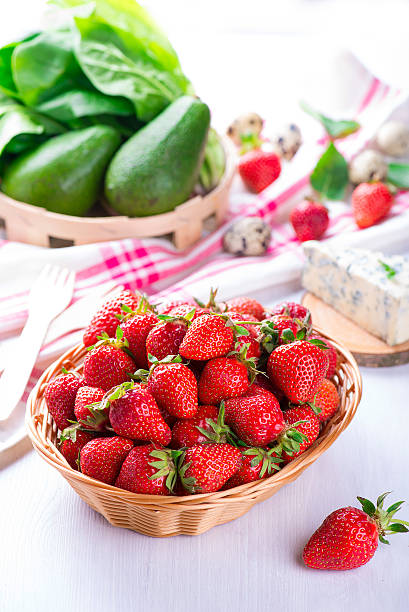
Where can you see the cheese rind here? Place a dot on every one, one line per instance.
(355, 283)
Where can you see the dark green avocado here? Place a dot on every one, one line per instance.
(157, 168)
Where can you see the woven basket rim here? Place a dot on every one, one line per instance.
(50, 453)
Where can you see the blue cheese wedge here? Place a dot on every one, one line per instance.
(368, 287)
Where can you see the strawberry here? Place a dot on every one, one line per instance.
(256, 389)
(135, 414)
(187, 309)
(246, 306)
(238, 318)
(279, 329)
(60, 396)
(298, 369)
(309, 219)
(102, 458)
(293, 310)
(186, 432)
(107, 365)
(331, 354)
(222, 378)
(86, 414)
(250, 345)
(257, 420)
(348, 538)
(325, 402)
(258, 463)
(135, 328)
(306, 423)
(105, 319)
(371, 202)
(70, 448)
(205, 468)
(258, 169)
(208, 336)
(165, 338)
(166, 307)
(174, 388)
(148, 470)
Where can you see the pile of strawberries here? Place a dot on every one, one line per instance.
(190, 398)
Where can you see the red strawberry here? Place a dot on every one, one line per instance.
(60, 396)
(348, 538)
(309, 430)
(205, 468)
(165, 338)
(174, 388)
(371, 202)
(258, 169)
(148, 470)
(222, 378)
(135, 328)
(186, 309)
(186, 433)
(253, 350)
(325, 402)
(135, 414)
(256, 389)
(102, 458)
(293, 310)
(238, 318)
(310, 220)
(107, 366)
(71, 448)
(246, 306)
(105, 319)
(257, 463)
(208, 336)
(331, 354)
(93, 419)
(279, 329)
(298, 369)
(166, 307)
(257, 420)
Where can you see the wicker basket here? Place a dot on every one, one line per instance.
(35, 225)
(191, 515)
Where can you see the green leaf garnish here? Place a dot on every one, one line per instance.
(390, 272)
(398, 175)
(334, 128)
(330, 175)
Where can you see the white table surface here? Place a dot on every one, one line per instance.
(58, 554)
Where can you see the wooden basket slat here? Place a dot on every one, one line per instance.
(163, 516)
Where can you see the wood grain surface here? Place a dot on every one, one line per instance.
(367, 349)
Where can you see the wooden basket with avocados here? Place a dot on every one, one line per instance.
(108, 140)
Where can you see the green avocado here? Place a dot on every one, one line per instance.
(64, 174)
(157, 168)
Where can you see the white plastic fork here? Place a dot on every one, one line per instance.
(49, 296)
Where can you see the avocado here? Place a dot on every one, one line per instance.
(64, 174)
(157, 168)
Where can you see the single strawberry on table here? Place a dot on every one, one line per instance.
(149, 470)
(205, 468)
(348, 537)
(134, 414)
(106, 320)
(309, 219)
(259, 169)
(102, 458)
(107, 364)
(298, 369)
(60, 395)
(371, 202)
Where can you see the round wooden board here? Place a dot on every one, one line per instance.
(367, 349)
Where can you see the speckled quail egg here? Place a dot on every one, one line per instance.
(393, 138)
(248, 236)
(366, 167)
(250, 123)
(287, 141)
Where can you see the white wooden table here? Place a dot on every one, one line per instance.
(58, 554)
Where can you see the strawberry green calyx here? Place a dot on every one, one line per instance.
(119, 341)
(220, 432)
(142, 375)
(236, 326)
(249, 142)
(268, 457)
(165, 460)
(385, 521)
(290, 440)
(211, 303)
(240, 353)
(189, 482)
(143, 307)
(187, 318)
